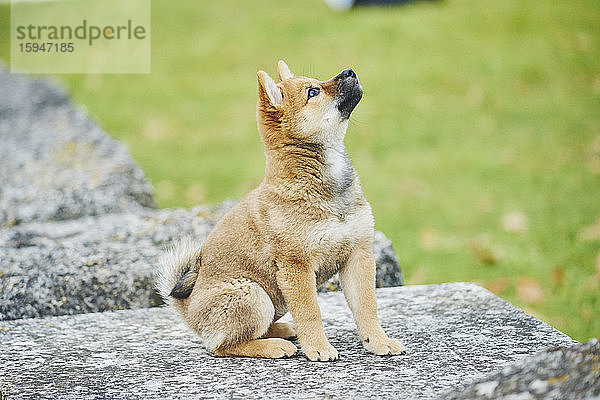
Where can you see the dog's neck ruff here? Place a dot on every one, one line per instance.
(311, 168)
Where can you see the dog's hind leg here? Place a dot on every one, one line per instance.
(262, 348)
(283, 330)
(231, 316)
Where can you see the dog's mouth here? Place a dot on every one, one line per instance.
(350, 92)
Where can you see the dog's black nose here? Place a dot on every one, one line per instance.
(348, 73)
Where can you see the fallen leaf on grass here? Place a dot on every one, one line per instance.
(475, 94)
(497, 286)
(586, 313)
(428, 238)
(515, 222)
(590, 233)
(594, 165)
(529, 290)
(558, 275)
(483, 252)
(417, 277)
(155, 129)
(412, 187)
(195, 194)
(595, 281)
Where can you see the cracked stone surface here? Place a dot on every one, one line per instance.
(556, 373)
(90, 264)
(455, 334)
(77, 229)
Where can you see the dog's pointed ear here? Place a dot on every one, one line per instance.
(283, 71)
(268, 90)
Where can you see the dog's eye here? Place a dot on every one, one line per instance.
(312, 92)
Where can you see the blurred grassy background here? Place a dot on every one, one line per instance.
(477, 140)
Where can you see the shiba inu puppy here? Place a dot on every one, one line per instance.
(307, 220)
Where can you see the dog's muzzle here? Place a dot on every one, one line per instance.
(350, 92)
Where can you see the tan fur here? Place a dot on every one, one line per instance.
(261, 348)
(283, 330)
(307, 220)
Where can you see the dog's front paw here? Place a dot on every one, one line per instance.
(384, 346)
(326, 352)
(284, 349)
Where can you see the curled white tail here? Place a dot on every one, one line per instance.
(175, 263)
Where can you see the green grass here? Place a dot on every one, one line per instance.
(472, 110)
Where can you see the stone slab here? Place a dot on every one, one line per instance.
(90, 264)
(106, 262)
(454, 334)
(55, 163)
(556, 373)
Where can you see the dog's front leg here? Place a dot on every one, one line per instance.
(298, 286)
(357, 279)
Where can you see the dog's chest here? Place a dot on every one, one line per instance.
(332, 240)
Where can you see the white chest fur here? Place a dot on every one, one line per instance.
(331, 241)
(337, 163)
(327, 236)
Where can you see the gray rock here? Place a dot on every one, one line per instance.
(556, 373)
(90, 264)
(77, 233)
(388, 267)
(454, 334)
(56, 164)
(101, 263)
